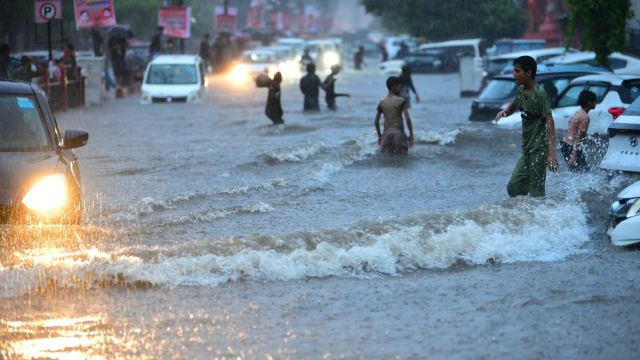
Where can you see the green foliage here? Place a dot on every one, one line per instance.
(604, 24)
(441, 20)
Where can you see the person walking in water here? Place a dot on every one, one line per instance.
(310, 87)
(538, 132)
(571, 144)
(393, 107)
(358, 58)
(329, 87)
(273, 110)
(407, 85)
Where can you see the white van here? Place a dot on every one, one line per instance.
(455, 50)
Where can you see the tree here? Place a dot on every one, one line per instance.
(442, 20)
(604, 24)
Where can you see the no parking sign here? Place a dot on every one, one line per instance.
(46, 10)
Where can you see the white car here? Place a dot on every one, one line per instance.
(623, 151)
(620, 63)
(254, 62)
(613, 94)
(173, 78)
(497, 64)
(625, 217)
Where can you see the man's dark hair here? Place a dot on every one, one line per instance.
(311, 68)
(585, 97)
(160, 28)
(527, 63)
(392, 81)
(277, 77)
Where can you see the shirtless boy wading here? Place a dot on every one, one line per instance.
(394, 140)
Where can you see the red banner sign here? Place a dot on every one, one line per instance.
(176, 21)
(94, 14)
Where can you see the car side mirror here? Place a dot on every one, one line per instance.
(75, 139)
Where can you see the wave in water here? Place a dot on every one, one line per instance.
(517, 230)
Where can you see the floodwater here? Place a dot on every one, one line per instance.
(211, 234)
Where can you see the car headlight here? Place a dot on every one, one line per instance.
(145, 96)
(47, 195)
(634, 209)
(331, 58)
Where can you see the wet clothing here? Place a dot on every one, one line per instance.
(329, 86)
(310, 87)
(156, 45)
(205, 49)
(394, 139)
(529, 175)
(581, 161)
(69, 64)
(407, 87)
(578, 127)
(273, 109)
(358, 59)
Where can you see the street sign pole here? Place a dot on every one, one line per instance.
(49, 39)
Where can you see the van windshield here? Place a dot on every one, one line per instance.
(172, 74)
(21, 124)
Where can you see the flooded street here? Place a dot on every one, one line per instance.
(210, 233)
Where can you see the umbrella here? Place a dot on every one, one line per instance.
(119, 31)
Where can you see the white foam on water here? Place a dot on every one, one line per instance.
(520, 230)
(436, 137)
(295, 154)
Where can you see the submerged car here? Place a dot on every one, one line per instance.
(39, 172)
(501, 90)
(174, 78)
(623, 149)
(624, 229)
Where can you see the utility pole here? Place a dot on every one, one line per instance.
(226, 7)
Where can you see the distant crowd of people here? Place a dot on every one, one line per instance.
(26, 69)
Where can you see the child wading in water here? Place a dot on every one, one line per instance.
(571, 144)
(394, 140)
(538, 133)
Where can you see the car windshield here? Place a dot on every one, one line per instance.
(21, 124)
(172, 74)
(496, 66)
(498, 89)
(634, 108)
(570, 98)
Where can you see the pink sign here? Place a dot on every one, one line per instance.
(94, 14)
(46, 10)
(176, 21)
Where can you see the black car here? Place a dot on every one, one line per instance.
(501, 90)
(39, 173)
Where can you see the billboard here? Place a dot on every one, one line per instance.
(176, 21)
(94, 14)
(226, 22)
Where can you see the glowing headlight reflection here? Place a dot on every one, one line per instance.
(47, 195)
(331, 58)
